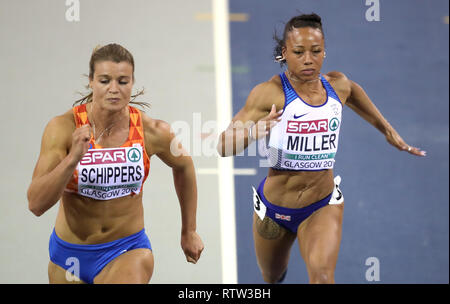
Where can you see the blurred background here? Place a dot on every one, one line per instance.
(396, 205)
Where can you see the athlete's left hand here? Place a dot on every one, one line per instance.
(192, 246)
(397, 141)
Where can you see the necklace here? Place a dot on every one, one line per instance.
(107, 129)
(103, 132)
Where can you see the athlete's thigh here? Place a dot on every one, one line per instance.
(319, 236)
(58, 275)
(272, 244)
(132, 267)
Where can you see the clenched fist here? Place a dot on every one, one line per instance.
(80, 142)
(192, 246)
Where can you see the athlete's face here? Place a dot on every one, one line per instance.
(304, 52)
(112, 84)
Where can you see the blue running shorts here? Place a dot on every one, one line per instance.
(91, 259)
(291, 218)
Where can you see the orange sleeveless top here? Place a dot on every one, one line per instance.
(108, 173)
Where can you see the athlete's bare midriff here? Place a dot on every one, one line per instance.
(297, 189)
(82, 220)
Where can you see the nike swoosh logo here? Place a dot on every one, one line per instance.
(296, 117)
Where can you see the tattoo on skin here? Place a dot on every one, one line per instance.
(268, 228)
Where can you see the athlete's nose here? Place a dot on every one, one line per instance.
(114, 87)
(308, 58)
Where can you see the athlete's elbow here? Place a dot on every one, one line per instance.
(34, 206)
(220, 147)
(36, 212)
(220, 150)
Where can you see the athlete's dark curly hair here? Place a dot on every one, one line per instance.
(305, 20)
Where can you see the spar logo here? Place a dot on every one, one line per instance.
(134, 155)
(334, 124)
(104, 156)
(306, 127)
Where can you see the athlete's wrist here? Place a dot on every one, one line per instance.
(72, 160)
(187, 231)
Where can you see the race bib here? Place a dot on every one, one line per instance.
(337, 197)
(110, 173)
(258, 205)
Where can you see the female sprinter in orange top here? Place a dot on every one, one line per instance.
(95, 158)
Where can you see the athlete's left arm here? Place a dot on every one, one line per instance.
(359, 102)
(161, 141)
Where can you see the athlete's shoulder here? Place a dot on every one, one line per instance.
(266, 93)
(340, 83)
(335, 76)
(271, 85)
(154, 125)
(157, 133)
(58, 131)
(62, 122)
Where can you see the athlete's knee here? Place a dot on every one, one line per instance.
(321, 276)
(321, 273)
(269, 278)
(273, 277)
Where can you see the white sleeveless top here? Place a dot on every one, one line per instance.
(306, 138)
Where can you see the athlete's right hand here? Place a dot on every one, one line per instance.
(80, 142)
(263, 126)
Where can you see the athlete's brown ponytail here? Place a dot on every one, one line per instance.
(110, 52)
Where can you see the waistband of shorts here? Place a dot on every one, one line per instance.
(285, 210)
(94, 247)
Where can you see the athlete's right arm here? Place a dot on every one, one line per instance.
(259, 114)
(56, 164)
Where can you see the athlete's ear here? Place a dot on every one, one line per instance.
(283, 52)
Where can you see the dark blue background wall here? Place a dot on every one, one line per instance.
(396, 205)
